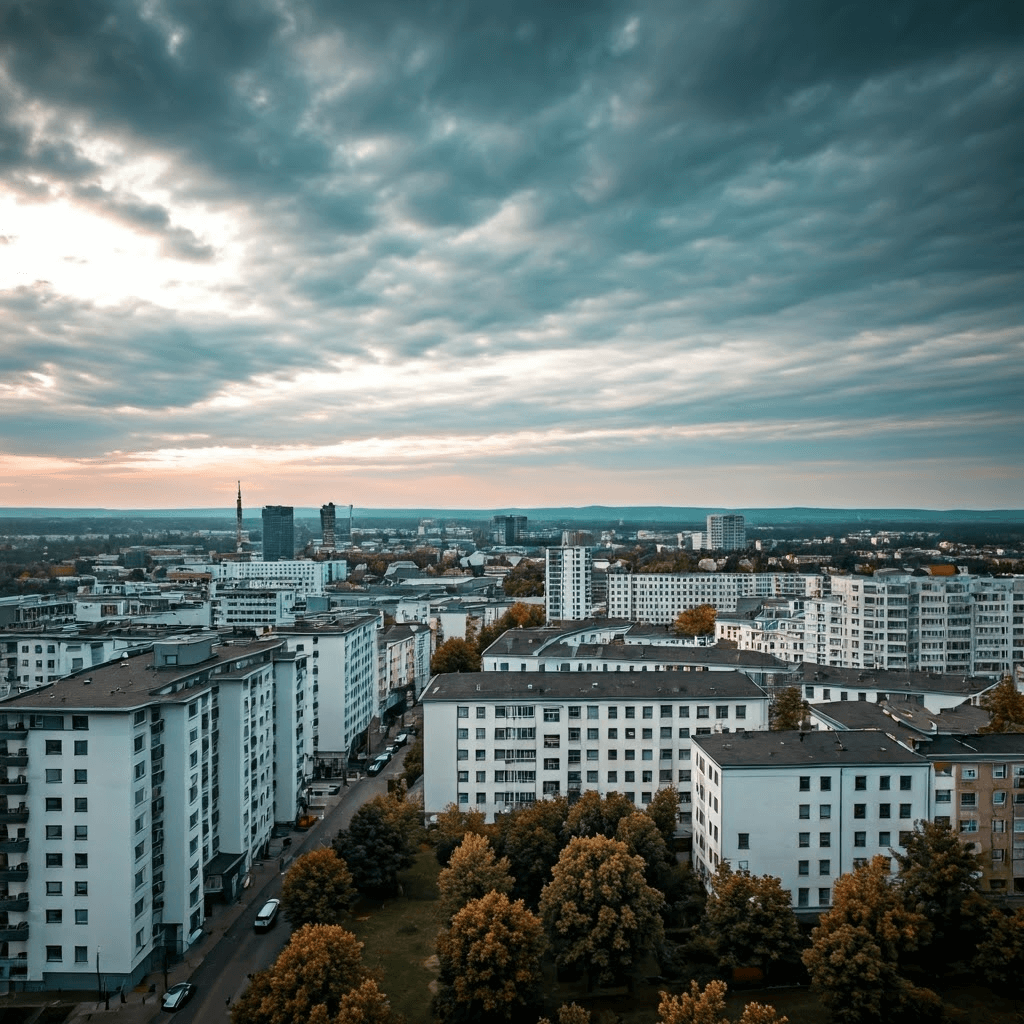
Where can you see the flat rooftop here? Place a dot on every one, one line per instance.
(796, 749)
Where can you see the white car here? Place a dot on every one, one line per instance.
(177, 996)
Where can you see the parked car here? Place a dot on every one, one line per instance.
(267, 916)
(378, 764)
(391, 749)
(177, 996)
(402, 738)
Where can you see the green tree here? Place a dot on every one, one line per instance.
(1000, 954)
(750, 920)
(320, 965)
(490, 960)
(663, 810)
(859, 948)
(455, 655)
(788, 710)
(472, 873)
(937, 879)
(1005, 703)
(598, 909)
(525, 580)
(532, 839)
(317, 889)
(595, 815)
(379, 842)
(699, 621)
(412, 766)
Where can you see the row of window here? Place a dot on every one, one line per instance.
(57, 775)
(56, 860)
(57, 747)
(859, 810)
(722, 711)
(575, 735)
(860, 782)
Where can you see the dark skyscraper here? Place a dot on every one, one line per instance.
(278, 533)
(327, 521)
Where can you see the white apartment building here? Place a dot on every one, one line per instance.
(132, 793)
(606, 647)
(304, 574)
(500, 740)
(252, 607)
(658, 598)
(897, 620)
(24, 610)
(568, 584)
(404, 652)
(342, 654)
(725, 533)
(803, 807)
(146, 606)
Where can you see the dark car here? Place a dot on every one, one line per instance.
(378, 764)
(177, 996)
(402, 738)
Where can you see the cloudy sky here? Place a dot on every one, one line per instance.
(733, 252)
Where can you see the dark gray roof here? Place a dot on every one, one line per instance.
(893, 681)
(760, 749)
(995, 745)
(901, 714)
(592, 686)
(129, 682)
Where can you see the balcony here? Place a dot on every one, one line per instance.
(14, 760)
(14, 732)
(14, 904)
(14, 932)
(14, 815)
(14, 874)
(13, 845)
(13, 787)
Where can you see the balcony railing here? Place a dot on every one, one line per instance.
(13, 787)
(14, 874)
(13, 845)
(13, 816)
(14, 904)
(14, 932)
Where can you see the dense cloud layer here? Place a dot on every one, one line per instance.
(519, 253)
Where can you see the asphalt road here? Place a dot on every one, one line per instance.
(223, 974)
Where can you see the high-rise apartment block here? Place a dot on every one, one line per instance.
(278, 532)
(327, 524)
(726, 533)
(508, 530)
(568, 584)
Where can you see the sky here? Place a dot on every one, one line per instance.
(476, 254)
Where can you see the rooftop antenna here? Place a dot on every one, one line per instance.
(238, 520)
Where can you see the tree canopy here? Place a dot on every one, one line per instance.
(699, 621)
(663, 810)
(596, 815)
(1005, 703)
(490, 960)
(707, 1006)
(520, 615)
(788, 710)
(455, 655)
(318, 889)
(380, 842)
(453, 824)
(472, 873)
(525, 580)
(310, 980)
(750, 919)
(532, 839)
(598, 909)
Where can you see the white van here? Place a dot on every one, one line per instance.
(267, 916)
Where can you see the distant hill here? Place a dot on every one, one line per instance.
(594, 514)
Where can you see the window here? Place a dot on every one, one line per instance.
(803, 897)
(905, 811)
(463, 777)
(825, 811)
(860, 782)
(906, 782)
(741, 710)
(463, 712)
(53, 746)
(969, 773)
(140, 742)
(648, 712)
(665, 711)
(140, 769)
(884, 810)
(805, 783)
(613, 776)
(613, 712)
(592, 734)
(803, 867)
(942, 796)
(883, 782)
(968, 825)
(825, 783)
(81, 775)
(824, 867)
(824, 897)
(551, 764)
(803, 839)
(81, 955)
(860, 839)
(81, 888)
(54, 860)
(883, 839)
(968, 799)
(592, 711)
(904, 838)
(481, 734)
(53, 775)
(998, 797)
(824, 838)
(81, 803)
(647, 734)
(81, 860)
(998, 824)
(860, 810)
(81, 832)
(631, 712)
(552, 715)
(54, 831)
(79, 721)
(999, 771)
(721, 711)
(743, 842)
(54, 916)
(54, 803)
(81, 747)
(140, 850)
(54, 888)
(481, 712)
(574, 710)
(591, 776)
(81, 917)
(462, 734)
(54, 954)
(805, 810)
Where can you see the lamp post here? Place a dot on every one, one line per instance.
(99, 983)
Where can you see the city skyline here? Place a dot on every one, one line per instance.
(729, 255)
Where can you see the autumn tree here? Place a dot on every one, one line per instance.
(750, 920)
(519, 616)
(532, 840)
(642, 838)
(699, 621)
(364, 1004)
(379, 842)
(859, 948)
(455, 655)
(453, 825)
(999, 958)
(599, 911)
(788, 710)
(707, 1006)
(1005, 703)
(525, 580)
(569, 1013)
(472, 873)
(596, 815)
(319, 967)
(663, 810)
(318, 889)
(490, 959)
(937, 879)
